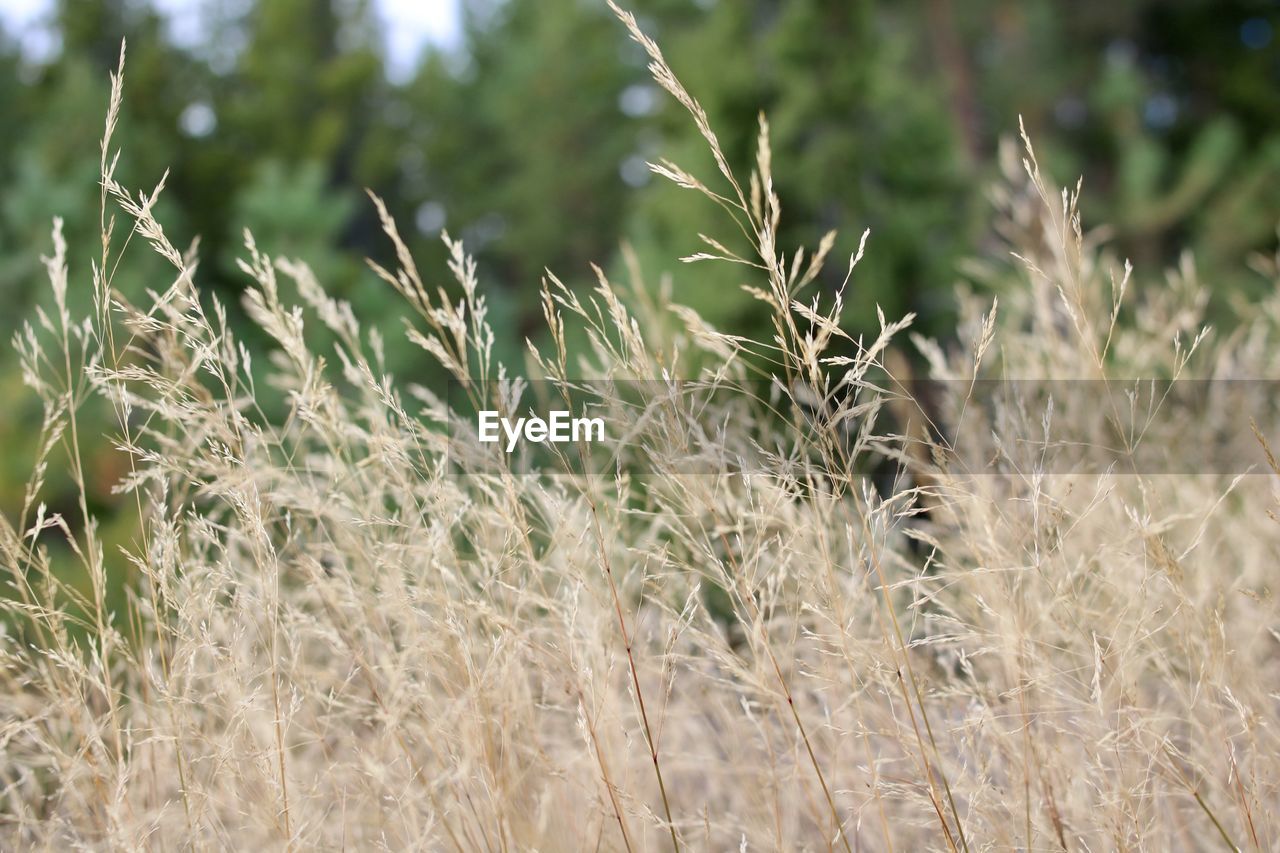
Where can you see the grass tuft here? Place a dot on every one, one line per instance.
(347, 629)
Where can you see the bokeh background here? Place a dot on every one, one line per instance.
(523, 126)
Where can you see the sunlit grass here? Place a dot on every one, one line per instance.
(336, 640)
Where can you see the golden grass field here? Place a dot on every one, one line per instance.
(334, 640)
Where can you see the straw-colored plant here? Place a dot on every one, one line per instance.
(348, 630)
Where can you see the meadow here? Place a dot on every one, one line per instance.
(332, 638)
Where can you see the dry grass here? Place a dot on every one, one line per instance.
(336, 640)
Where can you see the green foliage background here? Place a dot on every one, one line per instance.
(529, 138)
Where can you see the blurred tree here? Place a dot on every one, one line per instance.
(520, 145)
(306, 118)
(56, 151)
(1169, 110)
(263, 142)
(55, 172)
(859, 143)
(12, 101)
(55, 162)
